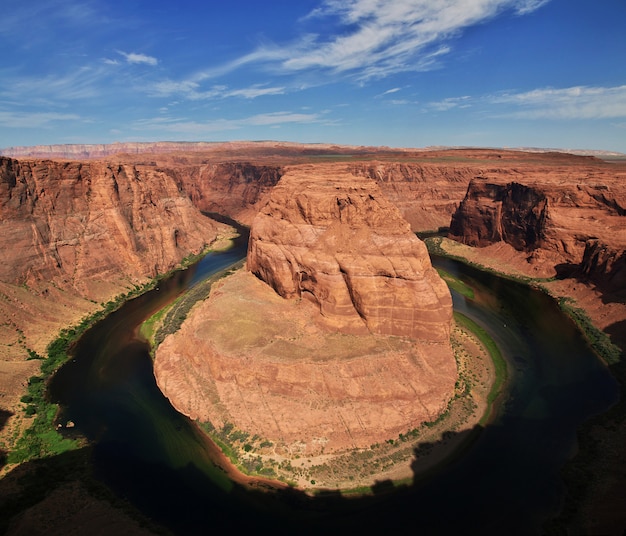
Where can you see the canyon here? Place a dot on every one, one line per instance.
(80, 225)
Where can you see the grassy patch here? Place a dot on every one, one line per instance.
(599, 341)
(493, 350)
(456, 284)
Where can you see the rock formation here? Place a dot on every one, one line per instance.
(567, 225)
(362, 357)
(234, 189)
(427, 194)
(74, 234)
(339, 243)
(72, 222)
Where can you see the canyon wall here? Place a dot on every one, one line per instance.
(427, 194)
(233, 189)
(566, 225)
(74, 234)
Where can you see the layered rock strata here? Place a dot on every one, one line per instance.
(363, 357)
(234, 189)
(566, 226)
(73, 234)
(427, 194)
(341, 244)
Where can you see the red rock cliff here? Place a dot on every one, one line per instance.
(234, 189)
(426, 194)
(340, 243)
(78, 223)
(76, 234)
(557, 220)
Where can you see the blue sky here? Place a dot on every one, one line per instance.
(401, 73)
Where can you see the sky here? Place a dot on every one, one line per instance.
(397, 73)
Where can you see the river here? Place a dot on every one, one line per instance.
(506, 482)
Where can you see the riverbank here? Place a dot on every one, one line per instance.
(596, 476)
(597, 315)
(27, 431)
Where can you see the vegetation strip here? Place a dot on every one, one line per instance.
(42, 439)
(170, 318)
(496, 357)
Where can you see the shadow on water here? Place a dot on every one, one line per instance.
(184, 500)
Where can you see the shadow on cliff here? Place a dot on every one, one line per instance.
(617, 333)
(186, 501)
(612, 287)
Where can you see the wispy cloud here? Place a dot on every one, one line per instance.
(192, 89)
(34, 119)
(390, 91)
(450, 103)
(578, 102)
(528, 6)
(366, 39)
(196, 128)
(134, 58)
(80, 83)
(378, 38)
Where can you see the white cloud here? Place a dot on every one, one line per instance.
(197, 128)
(191, 90)
(390, 91)
(379, 37)
(373, 38)
(134, 58)
(33, 119)
(528, 6)
(450, 103)
(254, 92)
(578, 102)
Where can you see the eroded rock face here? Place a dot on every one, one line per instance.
(339, 243)
(427, 194)
(233, 189)
(605, 265)
(70, 222)
(75, 234)
(566, 224)
(511, 212)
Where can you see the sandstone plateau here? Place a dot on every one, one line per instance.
(351, 349)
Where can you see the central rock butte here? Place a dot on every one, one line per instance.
(365, 355)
